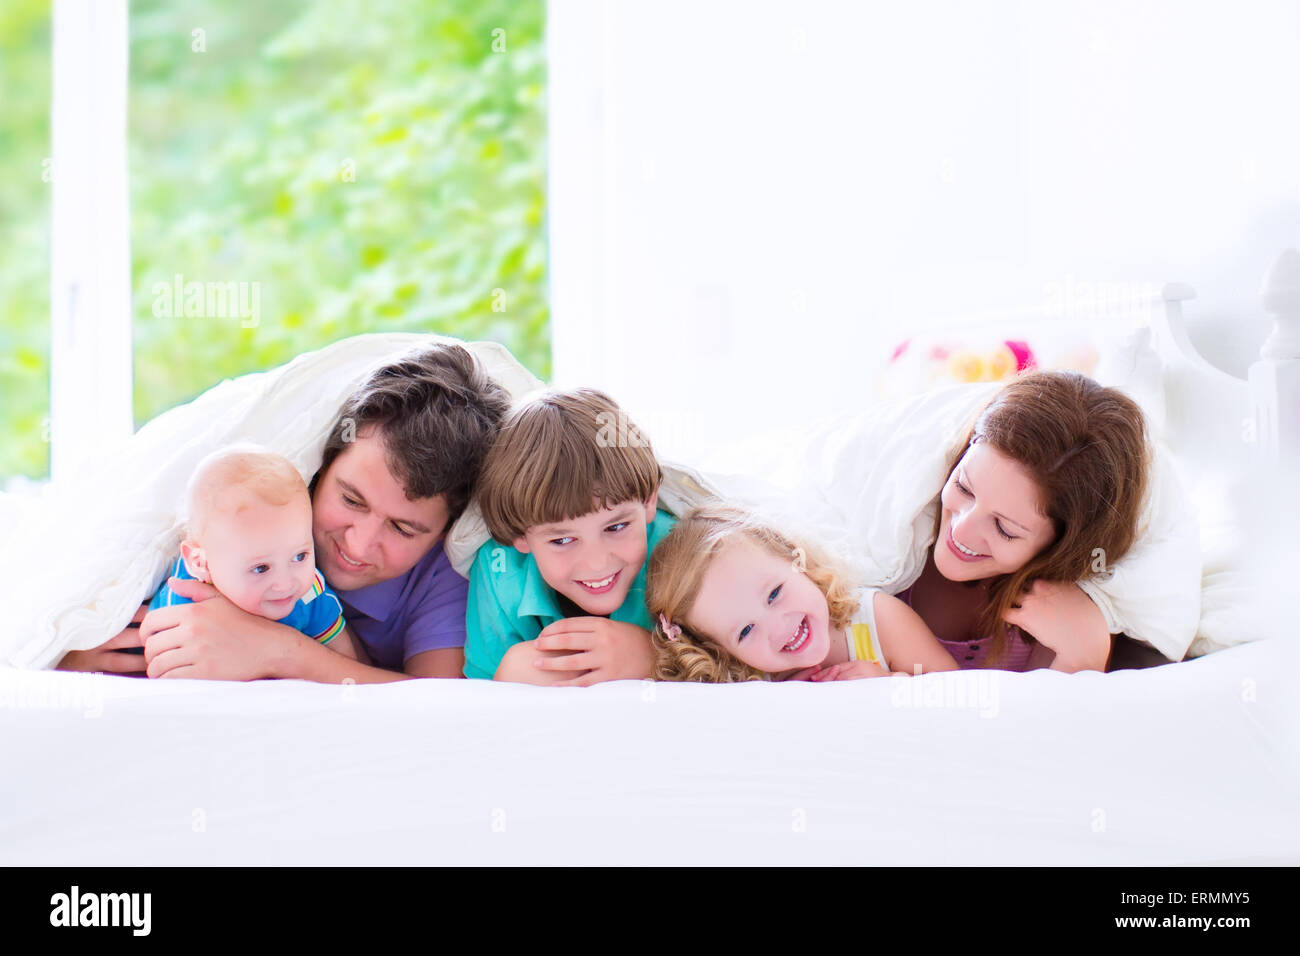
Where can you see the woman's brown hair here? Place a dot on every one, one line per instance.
(1087, 449)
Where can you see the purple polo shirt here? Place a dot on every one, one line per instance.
(421, 610)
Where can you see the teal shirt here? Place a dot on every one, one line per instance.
(510, 602)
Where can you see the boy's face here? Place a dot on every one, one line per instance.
(593, 559)
(260, 557)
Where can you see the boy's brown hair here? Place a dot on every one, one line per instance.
(559, 454)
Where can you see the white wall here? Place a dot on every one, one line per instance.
(748, 198)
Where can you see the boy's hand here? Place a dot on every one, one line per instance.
(604, 649)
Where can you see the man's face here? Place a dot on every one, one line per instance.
(594, 558)
(365, 528)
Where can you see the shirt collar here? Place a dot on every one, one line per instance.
(537, 599)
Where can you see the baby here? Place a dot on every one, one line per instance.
(248, 533)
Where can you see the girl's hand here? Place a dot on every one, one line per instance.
(1061, 617)
(849, 670)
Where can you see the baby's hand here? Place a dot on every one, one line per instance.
(849, 670)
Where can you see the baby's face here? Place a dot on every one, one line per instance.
(260, 557)
(762, 610)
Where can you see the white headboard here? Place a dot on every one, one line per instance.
(1216, 417)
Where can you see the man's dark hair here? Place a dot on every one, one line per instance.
(438, 413)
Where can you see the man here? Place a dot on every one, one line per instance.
(399, 468)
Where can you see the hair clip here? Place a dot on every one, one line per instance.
(671, 631)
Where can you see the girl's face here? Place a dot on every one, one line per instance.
(992, 521)
(761, 610)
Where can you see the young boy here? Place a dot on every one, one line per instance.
(569, 493)
(248, 533)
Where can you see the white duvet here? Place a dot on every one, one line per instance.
(1182, 764)
(1189, 763)
(865, 484)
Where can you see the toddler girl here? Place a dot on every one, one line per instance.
(734, 599)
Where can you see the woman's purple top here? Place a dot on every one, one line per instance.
(975, 654)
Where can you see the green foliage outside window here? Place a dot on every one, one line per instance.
(342, 166)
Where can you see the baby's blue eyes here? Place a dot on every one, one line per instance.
(298, 558)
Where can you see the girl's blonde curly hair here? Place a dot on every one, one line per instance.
(676, 571)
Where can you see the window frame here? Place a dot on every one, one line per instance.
(90, 246)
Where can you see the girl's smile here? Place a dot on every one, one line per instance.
(764, 612)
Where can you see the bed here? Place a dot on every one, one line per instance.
(1195, 762)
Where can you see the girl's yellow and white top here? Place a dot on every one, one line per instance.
(863, 635)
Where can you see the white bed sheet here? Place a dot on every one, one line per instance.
(1186, 763)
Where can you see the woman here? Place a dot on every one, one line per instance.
(1047, 491)
(1054, 513)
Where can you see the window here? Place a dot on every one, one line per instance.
(266, 179)
(301, 172)
(26, 172)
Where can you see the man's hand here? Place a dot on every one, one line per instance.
(108, 658)
(1061, 617)
(211, 639)
(603, 649)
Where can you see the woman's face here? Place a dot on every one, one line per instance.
(364, 527)
(761, 610)
(992, 521)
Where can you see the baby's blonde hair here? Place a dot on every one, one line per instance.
(676, 572)
(232, 473)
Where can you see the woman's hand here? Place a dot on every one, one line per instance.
(211, 638)
(1061, 617)
(109, 658)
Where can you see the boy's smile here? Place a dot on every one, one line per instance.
(593, 559)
